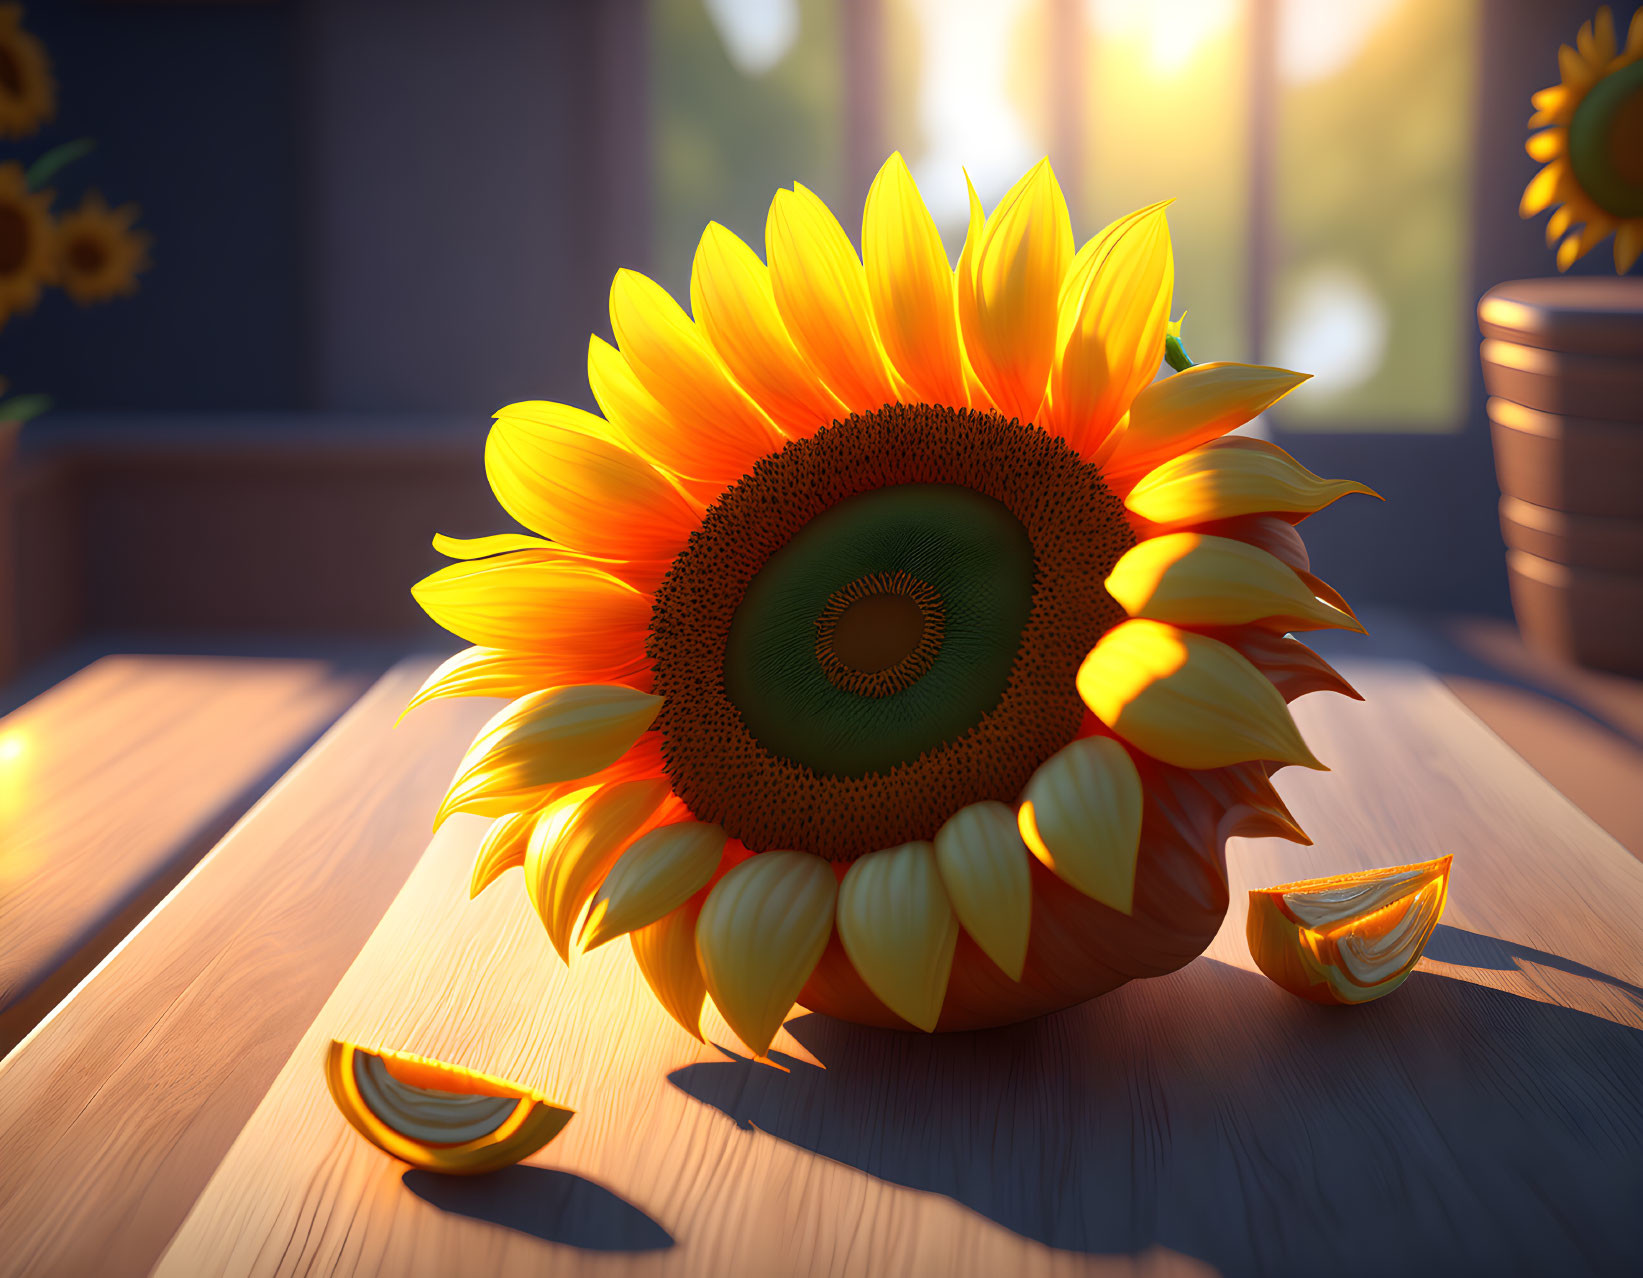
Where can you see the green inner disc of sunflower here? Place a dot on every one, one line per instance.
(880, 625)
(1606, 142)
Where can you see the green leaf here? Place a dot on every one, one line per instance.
(1175, 355)
(57, 159)
(19, 408)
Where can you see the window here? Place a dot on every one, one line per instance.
(1318, 154)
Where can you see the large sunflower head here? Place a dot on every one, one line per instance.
(1591, 139)
(28, 242)
(28, 94)
(99, 254)
(893, 642)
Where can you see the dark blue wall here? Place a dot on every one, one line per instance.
(194, 108)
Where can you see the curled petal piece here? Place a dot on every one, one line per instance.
(898, 928)
(911, 286)
(1187, 699)
(1350, 938)
(731, 296)
(762, 931)
(518, 601)
(582, 490)
(666, 953)
(499, 672)
(983, 865)
(1177, 414)
(1193, 580)
(821, 291)
(1081, 816)
(484, 547)
(572, 848)
(1215, 482)
(1294, 669)
(728, 432)
(549, 736)
(1007, 295)
(659, 872)
(1110, 331)
(502, 848)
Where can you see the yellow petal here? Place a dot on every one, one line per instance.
(1081, 816)
(567, 859)
(1596, 40)
(676, 363)
(1007, 309)
(983, 865)
(557, 734)
(964, 283)
(498, 672)
(484, 547)
(1193, 580)
(581, 490)
(657, 874)
(666, 954)
(1562, 217)
(1554, 106)
(1577, 246)
(519, 601)
(761, 933)
(1214, 482)
(1111, 329)
(898, 928)
(911, 286)
(1176, 414)
(1544, 188)
(1573, 69)
(1634, 37)
(1628, 238)
(732, 299)
(502, 848)
(821, 291)
(1187, 699)
(1547, 145)
(647, 427)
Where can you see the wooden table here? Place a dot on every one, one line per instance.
(170, 1117)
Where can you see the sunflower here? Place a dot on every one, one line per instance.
(28, 242)
(893, 643)
(28, 96)
(98, 253)
(1591, 139)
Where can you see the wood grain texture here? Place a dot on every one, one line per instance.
(1486, 1118)
(115, 1110)
(116, 781)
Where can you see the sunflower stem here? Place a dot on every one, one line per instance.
(55, 160)
(1175, 355)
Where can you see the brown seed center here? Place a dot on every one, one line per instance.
(14, 241)
(877, 632)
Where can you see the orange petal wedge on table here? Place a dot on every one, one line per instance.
(1349, 938)
(439, 1117)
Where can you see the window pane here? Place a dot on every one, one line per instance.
(1372, 203)
(965, 88)
(1167, 115)
(747, 96)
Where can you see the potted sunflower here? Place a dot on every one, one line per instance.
(92, 252)
(1563, 363)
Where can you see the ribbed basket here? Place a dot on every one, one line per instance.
(1563, 364)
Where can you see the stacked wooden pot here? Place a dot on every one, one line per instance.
(1563, 364)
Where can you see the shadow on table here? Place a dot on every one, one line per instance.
(1451, 1128)
(1473, 949)
(556, 1206)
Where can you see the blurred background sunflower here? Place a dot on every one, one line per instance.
(28, 243)
(1592, 145)
(98, 253)
(28, 94)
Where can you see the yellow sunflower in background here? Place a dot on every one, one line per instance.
(1591, 139)
(28, 243)
(28, 96)
(893, 644)
(99, 255)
